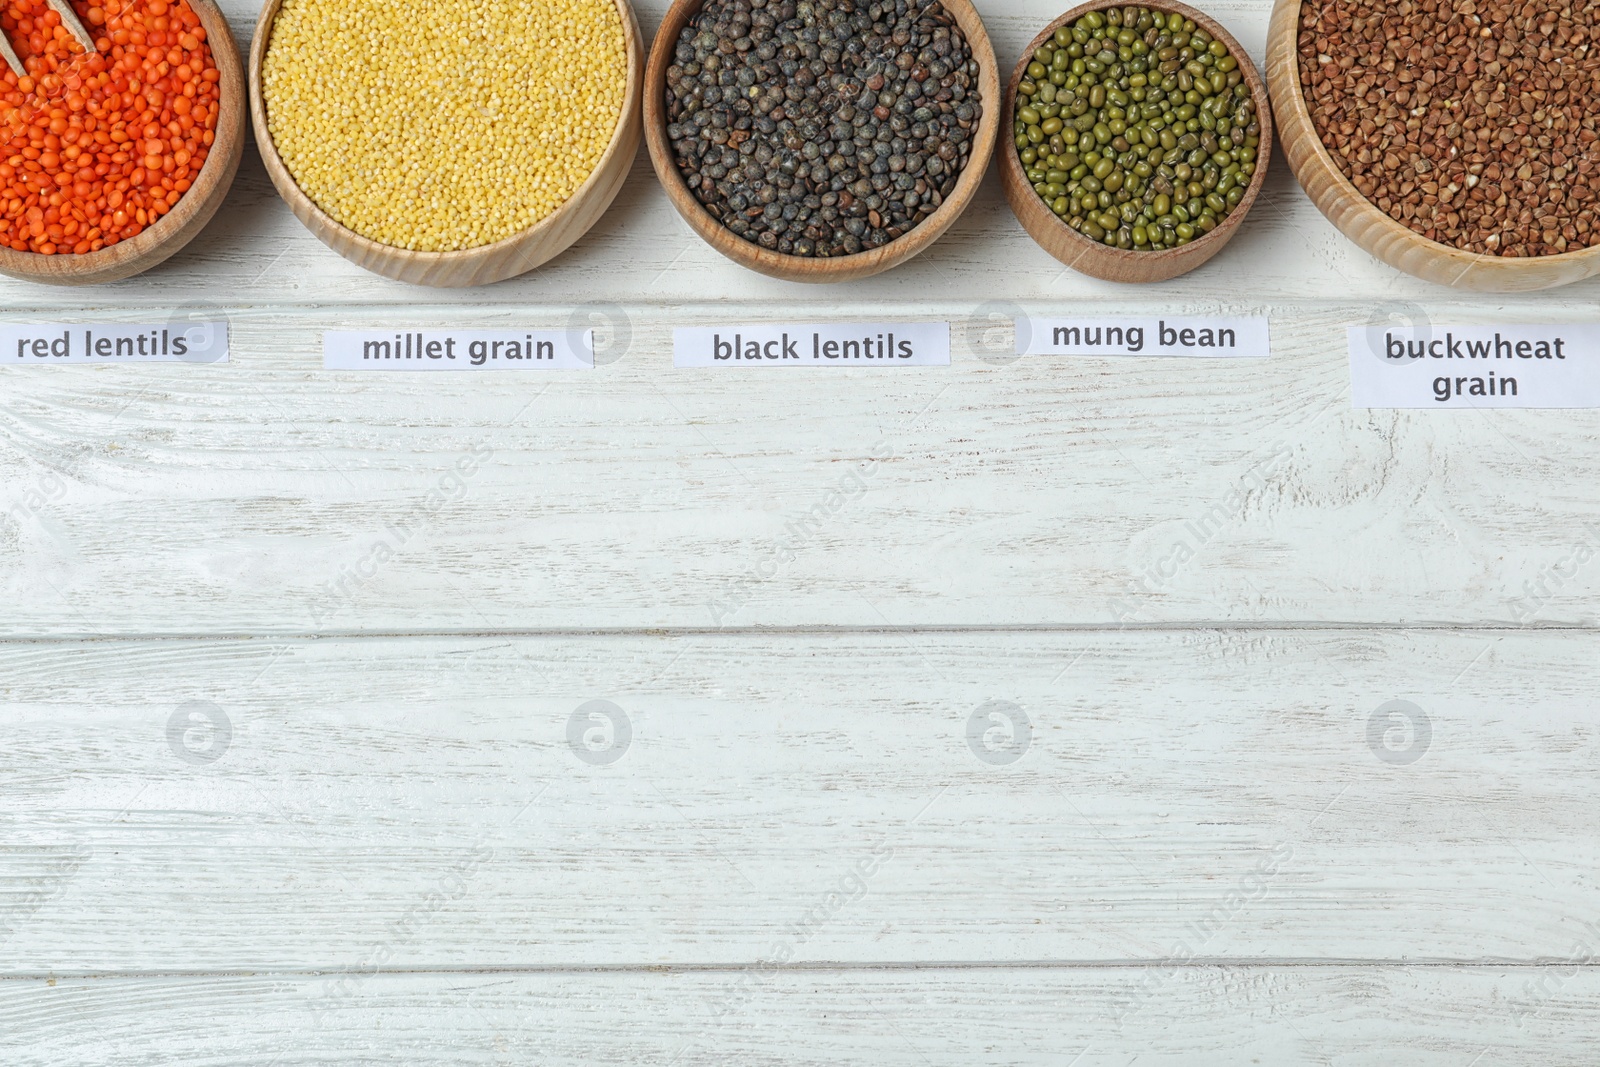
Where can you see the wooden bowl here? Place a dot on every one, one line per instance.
(159, 242)
(1118, 264)
(496, 262)
(805, 268)
(1364, 222)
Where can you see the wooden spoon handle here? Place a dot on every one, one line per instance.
(69, 19)
(10, 56)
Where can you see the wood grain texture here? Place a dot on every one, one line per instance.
(1116, 264)
(470, 267)
(800, 268)
(819, 798)
(1366, 224)
(1199, 1017)
(196, 208)
(1039, 491)
(1216, 794)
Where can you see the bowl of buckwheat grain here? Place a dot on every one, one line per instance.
(1453, 141)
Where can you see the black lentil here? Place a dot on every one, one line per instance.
(822, 128)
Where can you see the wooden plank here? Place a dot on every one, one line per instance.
(258, 254)
(844, 798)
(1197, 1017)
(268, 497)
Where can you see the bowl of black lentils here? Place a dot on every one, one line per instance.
(821, 140)
(1140, 140)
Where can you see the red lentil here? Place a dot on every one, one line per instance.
(95, 147)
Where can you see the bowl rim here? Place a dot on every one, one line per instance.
(362, 245)
(1299, 112)
(203, 196)
(1201, 248)
(812, 268)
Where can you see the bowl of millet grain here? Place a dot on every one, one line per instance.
(1455, 141)
(442, 143)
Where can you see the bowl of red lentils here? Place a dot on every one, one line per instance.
(119, 136)
(1453, 141)
(447, 144)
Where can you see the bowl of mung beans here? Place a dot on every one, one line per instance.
(821, 140)
(1455, 142)
(442, 143)
(1141, 138)
(121, 131)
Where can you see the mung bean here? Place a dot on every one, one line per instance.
(1148, 139)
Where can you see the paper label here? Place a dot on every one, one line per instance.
(1204, 338)
(183, 342)
(874, 344)
(463, 350)
(1475, 367)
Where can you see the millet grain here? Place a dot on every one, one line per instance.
(439, 126)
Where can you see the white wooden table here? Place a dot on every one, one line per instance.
(250, 821)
